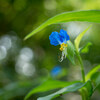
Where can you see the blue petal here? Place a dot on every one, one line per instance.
(54, 38)
(64, 36)
(58, 38)
(56, 71)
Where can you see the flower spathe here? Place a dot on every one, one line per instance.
(59, 39)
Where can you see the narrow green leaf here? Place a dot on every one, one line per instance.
(70, 52)
(94, 76)
(71, 88)
(94, 70)
(85, 49)
(96, 79)
(89, 16)
(49, 85)
(79, 37)
(87, 90)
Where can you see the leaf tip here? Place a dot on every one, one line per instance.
(25, 38)
(26, 97)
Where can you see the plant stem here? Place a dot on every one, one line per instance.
(82, 67)
(83, 94)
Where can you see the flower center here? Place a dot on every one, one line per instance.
(63, 45)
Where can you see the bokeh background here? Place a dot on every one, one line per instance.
(25, 64)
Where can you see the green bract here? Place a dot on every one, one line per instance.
(79, 37)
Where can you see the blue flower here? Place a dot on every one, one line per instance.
(59, 39)
(56, 71)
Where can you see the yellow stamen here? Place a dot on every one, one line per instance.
(61, 49)
(63, 45)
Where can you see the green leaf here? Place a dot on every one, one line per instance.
(79, 37)
(85, 49)
(89, 16)
(87, 91)
(89, 88)
(94, 70)
(96, 78)
(70, 52)
(71, 88)
(49, 85)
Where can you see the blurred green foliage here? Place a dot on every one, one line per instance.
(30, 62)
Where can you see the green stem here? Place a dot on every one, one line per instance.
(82, 67)
(83, 75)
(83, 94)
